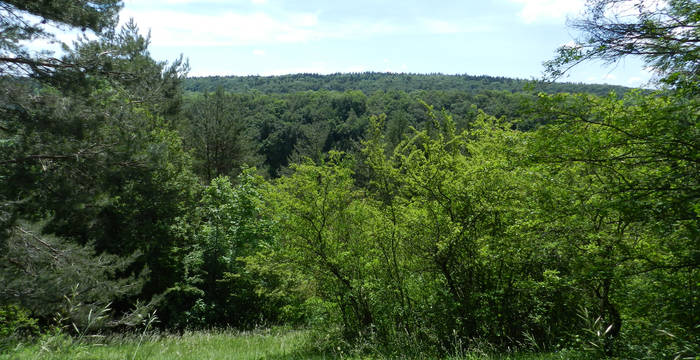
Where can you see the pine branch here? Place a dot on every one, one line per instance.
(54, 63)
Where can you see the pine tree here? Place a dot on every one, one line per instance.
(90, 163)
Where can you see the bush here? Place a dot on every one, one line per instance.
(16, 324)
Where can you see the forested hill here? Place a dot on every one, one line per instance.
(370, 82)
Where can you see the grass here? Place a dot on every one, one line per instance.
(269, 344)
(274, 344)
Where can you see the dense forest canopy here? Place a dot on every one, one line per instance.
(391, 213)
(370, 82)
(294, 116)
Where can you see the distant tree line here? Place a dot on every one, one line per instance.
(268, 131)
(370, 82)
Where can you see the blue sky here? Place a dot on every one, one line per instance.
(270, 37)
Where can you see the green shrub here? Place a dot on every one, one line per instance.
(16, 324)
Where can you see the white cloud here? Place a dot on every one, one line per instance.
(174, 28)
(548, 10)
(439, 27)
(360, 29)
(259, 2)
(303, 19)
(259, 52)
(174, 25)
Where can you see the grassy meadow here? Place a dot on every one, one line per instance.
(261, 344)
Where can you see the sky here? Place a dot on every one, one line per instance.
(508, 38)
